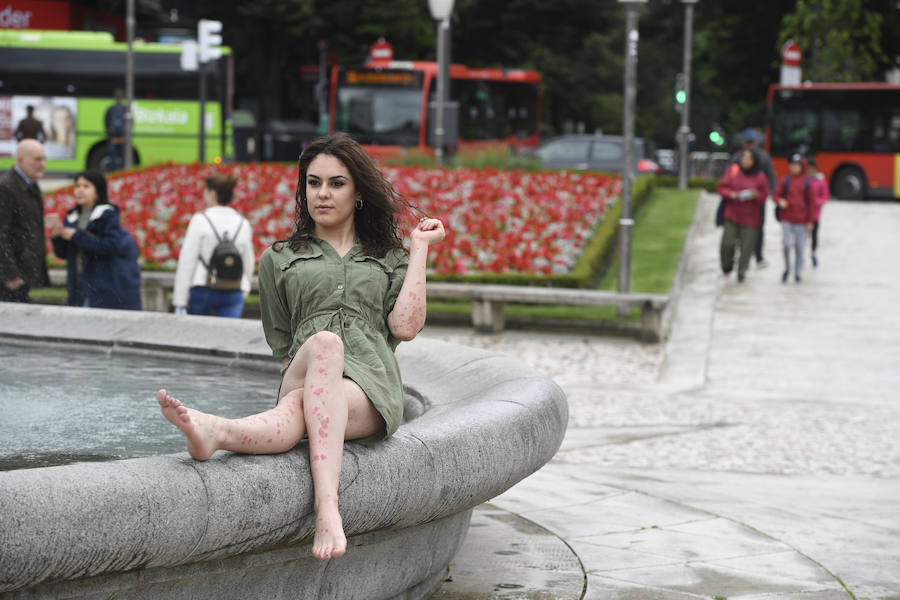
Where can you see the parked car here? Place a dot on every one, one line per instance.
(592, 152)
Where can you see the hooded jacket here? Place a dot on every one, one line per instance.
(110, 276)
(744, 193)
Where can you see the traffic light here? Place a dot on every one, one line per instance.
(208, 38)
(716, 136)
(680, 92)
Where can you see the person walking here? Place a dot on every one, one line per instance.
(751, 138)
(336, 298)
(114, 122)
(30, 128)
(743, 187)
(195, 293)
(794, 200)
(820, 195)
(23, 247)
(101, 256)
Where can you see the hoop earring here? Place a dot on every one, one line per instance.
(359, 204)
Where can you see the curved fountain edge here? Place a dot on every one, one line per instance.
(240, 526)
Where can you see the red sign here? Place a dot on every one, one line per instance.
(791, 54)
(381, 50)
(34, 14)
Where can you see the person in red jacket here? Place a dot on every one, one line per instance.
(795, 204)
(744, 188)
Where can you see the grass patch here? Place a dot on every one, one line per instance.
(657, 241)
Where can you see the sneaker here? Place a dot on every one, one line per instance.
(762, 263)
(740, 278)
(815, 261)
(797, 278)
(784, 276)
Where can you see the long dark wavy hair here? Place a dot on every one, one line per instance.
(377, 222)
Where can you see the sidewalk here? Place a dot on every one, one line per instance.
(754, 455)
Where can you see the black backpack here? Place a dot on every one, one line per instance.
(225, 268)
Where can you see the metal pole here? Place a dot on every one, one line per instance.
(443, 28)
(129, 82)
(626, 223)
(201, 68)
(684, 131)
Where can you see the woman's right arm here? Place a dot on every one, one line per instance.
(188, 258)
(273, 310)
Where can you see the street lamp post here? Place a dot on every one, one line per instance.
(129, 82)
(684, 131)
(440, 11)
(626, 223)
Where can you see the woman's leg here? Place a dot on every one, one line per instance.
(726, 247)
(747, 236)
(271, 432)
(229, 304)
(198, 301)
(799, 245)
(335, 409)
(786, 249)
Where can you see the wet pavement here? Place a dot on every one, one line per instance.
(755, 454)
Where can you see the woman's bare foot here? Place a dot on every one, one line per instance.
(199, 428)
(330, 541)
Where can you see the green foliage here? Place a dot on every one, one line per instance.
(703, 183)
(841, 39)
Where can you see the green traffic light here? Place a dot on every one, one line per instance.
(680, 96)
(716, 138)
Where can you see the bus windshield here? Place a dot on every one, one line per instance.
(380, 107)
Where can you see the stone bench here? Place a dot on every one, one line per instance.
(240, 526)
(488, 301)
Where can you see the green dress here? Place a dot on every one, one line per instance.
(315, 289)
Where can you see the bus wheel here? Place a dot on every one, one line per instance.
(849, 184)
(98, 158)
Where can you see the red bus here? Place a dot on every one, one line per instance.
(384, 105)
(851, 129)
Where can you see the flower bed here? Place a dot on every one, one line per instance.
(533, 223)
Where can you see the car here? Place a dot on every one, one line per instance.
(592, 152)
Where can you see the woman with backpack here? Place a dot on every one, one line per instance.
(744, 188)
(101, 256)
(336, 298)
(216, 258)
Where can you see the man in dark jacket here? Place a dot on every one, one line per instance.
(114, 121)
(23, 250)
(30, 127)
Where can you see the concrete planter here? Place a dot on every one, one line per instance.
(240, 526)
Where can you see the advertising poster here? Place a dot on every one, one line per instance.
(49, 119)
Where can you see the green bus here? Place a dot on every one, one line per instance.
(68, 78)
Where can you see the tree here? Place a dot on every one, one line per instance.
(841, 39)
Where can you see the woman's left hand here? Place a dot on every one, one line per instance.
(428, 230)
(66, 233)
